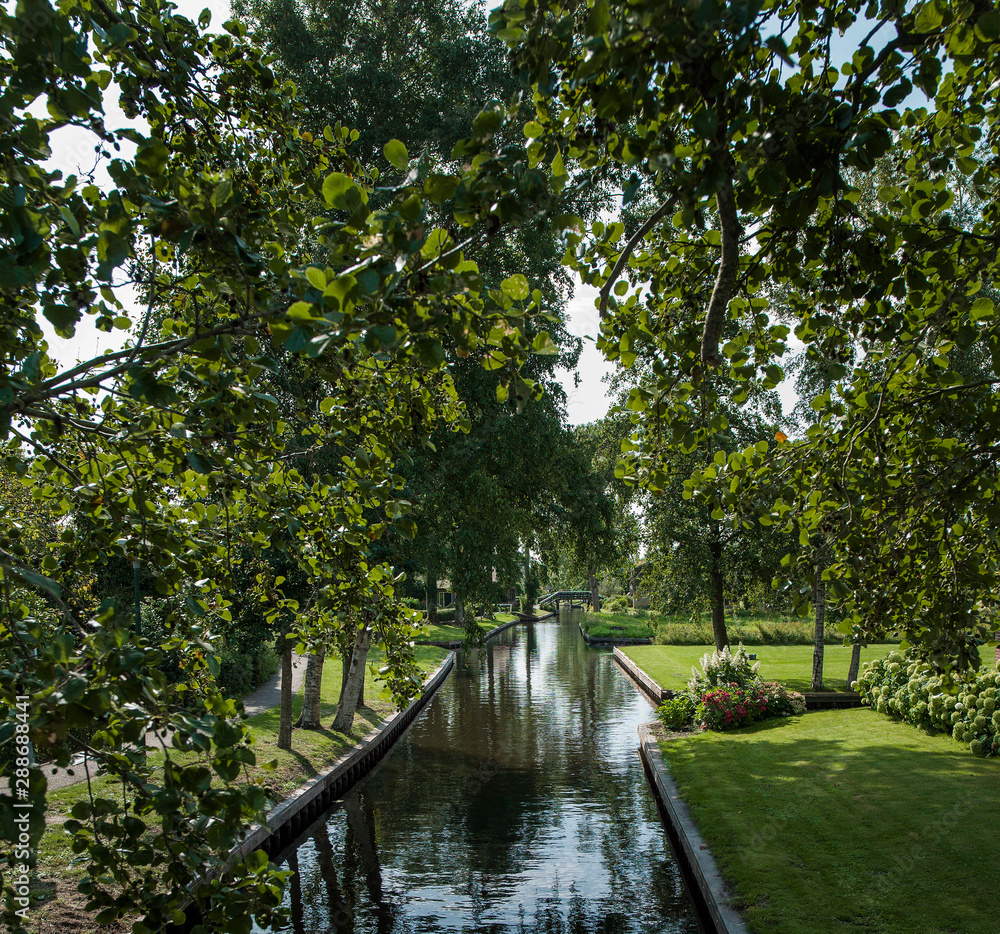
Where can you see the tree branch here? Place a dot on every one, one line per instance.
(634, 240)
(729, 266)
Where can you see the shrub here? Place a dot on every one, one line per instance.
(678, 712)
(907, 688)
(266, 663)
(236, 671)
(724, 669)
(446, 614)
(780, 701)
(615, 604)
(728, 708)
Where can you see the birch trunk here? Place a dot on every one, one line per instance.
(718, 597)
(353, 684)
(311, 692)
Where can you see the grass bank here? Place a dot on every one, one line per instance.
(670, 665)
(845, 822)
(312, 751)
(744, 626)
(616, 626)
(445, 633)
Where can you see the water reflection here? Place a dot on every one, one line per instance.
(516, 803)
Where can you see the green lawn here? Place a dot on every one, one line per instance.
(670, 665)
(845, 822)
(458, 633)
(615, 626)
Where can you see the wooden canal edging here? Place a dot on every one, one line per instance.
(831, 700)
(691, 851)
(312, 798)
(643, 681)
(288, 818)
(611, 640)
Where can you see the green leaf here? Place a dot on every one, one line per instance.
(199, 463)
(599, 18)
(981, 308)
(397, 155)
(533, 129)
(437, 242)
(988, 26)
(929, 17)
(543, 345)
(222, 193)
(151, 159)
(439, 188)
(316, 277)
(302, 311)
(340, 191)
(516, 286)
(34, 579)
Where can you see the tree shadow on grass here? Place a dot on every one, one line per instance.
(850, 811)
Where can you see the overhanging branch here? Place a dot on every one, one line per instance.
(634, 240)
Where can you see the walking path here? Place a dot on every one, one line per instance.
(268, 695)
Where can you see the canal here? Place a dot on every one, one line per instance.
(517, 802)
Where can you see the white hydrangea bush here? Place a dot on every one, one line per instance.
(906, 688)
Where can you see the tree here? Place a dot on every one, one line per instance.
(657, 94)
(421, 71)
(256, 236)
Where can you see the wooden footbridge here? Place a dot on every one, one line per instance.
(572, 597)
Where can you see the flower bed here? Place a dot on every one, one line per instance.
(728, 694)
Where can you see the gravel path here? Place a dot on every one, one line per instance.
(268, 695)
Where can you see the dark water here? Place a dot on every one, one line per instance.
(517, 802)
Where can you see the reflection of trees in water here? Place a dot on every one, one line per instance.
(521, 756)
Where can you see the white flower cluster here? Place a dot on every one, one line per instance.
(908, 689)
(724, 668)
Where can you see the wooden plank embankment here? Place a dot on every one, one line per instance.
(648, 686)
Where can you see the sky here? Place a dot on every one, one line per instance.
(586, 395)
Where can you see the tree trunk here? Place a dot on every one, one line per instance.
(285, 720)
(718, 597)
(459, 611)
(361, 694)
(852, 674)
(311, 693)
(595, 597)
(820, 597)
(345, 667)
(355, 679)
(432, 598)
